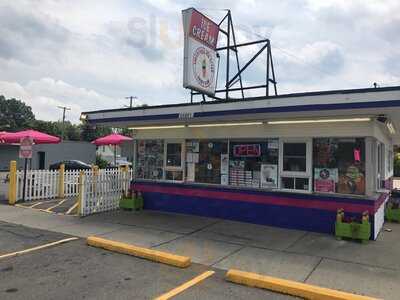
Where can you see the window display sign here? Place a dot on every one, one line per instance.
(325, 180)
(269, 176)
(200, 56)
(250, 150)
(224, 163)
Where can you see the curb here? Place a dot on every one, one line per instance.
(289, 287)
(154, 255)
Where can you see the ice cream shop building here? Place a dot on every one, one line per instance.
(284, 160)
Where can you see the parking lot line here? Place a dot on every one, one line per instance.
(54, 206)
(17, 253)
(72, 208)
(36, 204)
(185, 286)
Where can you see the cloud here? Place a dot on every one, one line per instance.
(46, 94)
(91, 55)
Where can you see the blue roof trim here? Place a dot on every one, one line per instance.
(309, 107)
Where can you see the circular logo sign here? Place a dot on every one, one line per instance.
(203, 67)
(324, 174)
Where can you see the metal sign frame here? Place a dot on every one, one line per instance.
(230, 81)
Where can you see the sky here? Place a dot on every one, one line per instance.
(90, 55)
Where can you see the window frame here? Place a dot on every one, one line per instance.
(183, 161)
(296, 174)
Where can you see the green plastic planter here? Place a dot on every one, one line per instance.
(392, 214)
(356, 231)
(131, 203)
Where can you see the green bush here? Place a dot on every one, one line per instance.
(397, 164)
(100, 162)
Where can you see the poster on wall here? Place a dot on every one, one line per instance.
(224, 163)
(190, 171)
(269, 176)
(325, 180)
(352, 180)
(224, 179)
(200, 55)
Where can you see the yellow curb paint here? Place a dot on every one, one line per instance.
(289, 287)
(154, 255)
(17, 253)
(72, 208)
(54, 206)
(185, 286)
(19, 205)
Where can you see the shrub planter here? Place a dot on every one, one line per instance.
(392, 211)
(352, 228)
(133, 202)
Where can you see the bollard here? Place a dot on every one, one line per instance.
(12, 185)
(61, 179)
(80, 192)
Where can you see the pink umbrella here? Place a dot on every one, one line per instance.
(2, 133)
(112, 139)
(37, 137)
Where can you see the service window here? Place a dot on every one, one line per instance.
(174, 161)
(174, 155)
(295, 159)
(339, 165)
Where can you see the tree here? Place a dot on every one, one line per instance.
(397, 164)
(15, 115)
(90, 133)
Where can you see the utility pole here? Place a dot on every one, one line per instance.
(131, 100)
(64, 108)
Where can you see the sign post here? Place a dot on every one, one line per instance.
(25, 151)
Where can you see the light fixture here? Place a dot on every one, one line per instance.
(318, 121)
(157, 127)
(225, 124)
(390, 126)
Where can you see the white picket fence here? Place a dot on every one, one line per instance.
(44, 184)
(101, 192)
(40, 184)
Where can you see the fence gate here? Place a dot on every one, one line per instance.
(101, 192)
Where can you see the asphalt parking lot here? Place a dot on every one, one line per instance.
(76, 271)
(67, 206)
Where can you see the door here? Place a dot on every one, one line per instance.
(41, 159)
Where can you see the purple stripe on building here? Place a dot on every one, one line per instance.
(289, 210)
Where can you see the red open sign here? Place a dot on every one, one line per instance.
(250, 150)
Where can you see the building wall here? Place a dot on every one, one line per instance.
(8, 153)
(66, 150)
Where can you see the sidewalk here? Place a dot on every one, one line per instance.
(372, 269)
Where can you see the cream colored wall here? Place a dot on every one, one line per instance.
(350, 129)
